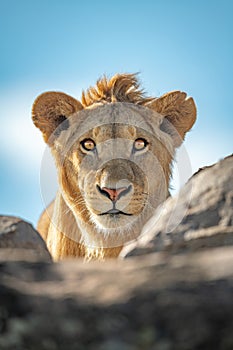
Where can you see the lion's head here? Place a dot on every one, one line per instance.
(113, 153)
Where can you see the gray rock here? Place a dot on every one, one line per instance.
(19, 241)
(199, 217)
(155, 302)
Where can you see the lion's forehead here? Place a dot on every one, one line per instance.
(113, 131)
(110, 119)
(112, 122)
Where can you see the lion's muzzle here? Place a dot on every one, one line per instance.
(114, 194)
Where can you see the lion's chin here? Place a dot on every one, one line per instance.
(118, 220)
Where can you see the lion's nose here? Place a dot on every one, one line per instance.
(114, 193)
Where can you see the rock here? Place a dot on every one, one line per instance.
(154, 302)
(19, 241)
(199, 217)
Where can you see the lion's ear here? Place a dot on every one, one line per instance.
(179, 114)
(51, 110)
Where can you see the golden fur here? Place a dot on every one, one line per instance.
(120, 88)
(84, 221)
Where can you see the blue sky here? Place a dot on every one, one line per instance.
(66, 45)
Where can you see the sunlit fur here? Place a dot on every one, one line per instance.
(120, 88)
(113, 114)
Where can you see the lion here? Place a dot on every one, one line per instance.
(113, 152)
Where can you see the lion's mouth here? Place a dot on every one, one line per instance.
(114, 212)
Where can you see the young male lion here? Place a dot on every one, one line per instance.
(113, 153)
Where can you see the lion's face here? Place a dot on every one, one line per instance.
(113, 159)
(116, 165)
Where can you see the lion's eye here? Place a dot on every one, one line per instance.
(88, 144)
(140, 144)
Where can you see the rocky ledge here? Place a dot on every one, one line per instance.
(172, 291)
(199, 217)
(19, 240)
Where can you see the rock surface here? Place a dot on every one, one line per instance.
(18, 240)
(155, 302)
(199, 217)
(173, 293)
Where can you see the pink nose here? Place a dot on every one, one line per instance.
(113, 193)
